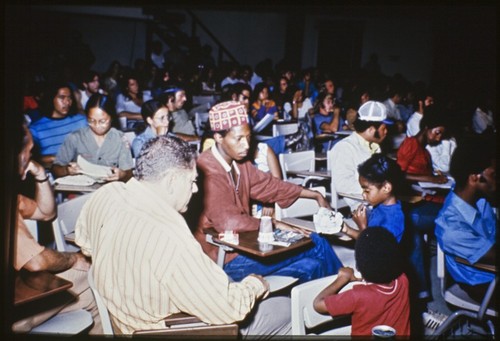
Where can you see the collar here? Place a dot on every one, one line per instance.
(223, 162)
(467, 212)
(371, 146)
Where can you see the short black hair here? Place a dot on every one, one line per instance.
(377, 255)
(379, 169)
(434, 116)
(472, 156)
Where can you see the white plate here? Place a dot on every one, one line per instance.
(279, 282)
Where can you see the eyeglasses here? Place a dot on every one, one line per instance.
(102, 123)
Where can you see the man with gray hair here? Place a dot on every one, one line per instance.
(147, 264)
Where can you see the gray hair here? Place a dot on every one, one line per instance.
(162, 154)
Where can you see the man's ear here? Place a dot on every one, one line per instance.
(218, 137)
(474, 179)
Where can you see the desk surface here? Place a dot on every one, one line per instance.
(248, 243)
(76, 188)
(31, 286)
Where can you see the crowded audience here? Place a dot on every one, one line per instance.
(149, 228)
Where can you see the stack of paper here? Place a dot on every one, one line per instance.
(97, 172)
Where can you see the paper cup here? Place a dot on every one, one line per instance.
(266, 230)
(123, 123)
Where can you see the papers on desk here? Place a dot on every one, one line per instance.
(279, 282)
(76, 180)
(97, 172)
(446, 185)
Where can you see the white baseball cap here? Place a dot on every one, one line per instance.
(373, 111)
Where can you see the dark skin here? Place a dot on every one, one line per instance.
(481, 186)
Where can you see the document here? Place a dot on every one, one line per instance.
(97, 172)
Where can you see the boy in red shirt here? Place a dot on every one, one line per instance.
(383, 299)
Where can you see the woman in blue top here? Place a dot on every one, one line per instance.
(379, 177)
(327, 118)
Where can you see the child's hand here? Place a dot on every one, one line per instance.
(347, 274)
(359, 217)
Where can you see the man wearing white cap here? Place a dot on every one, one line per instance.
(230, 181)
(347, 154)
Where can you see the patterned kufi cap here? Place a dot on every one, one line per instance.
(226, 115)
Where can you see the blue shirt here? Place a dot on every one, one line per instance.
(319, 120)
(142, 138)
(467, 232)
(49, 133)
(390, 217)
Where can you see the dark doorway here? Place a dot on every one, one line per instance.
(339, 47)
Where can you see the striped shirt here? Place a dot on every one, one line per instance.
(147, 264)
(49, 133)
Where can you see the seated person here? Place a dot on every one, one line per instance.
(466, 225)
(29, 255)
(157, 118)
(348, 153)
(231, 181)
(326, 117)
(383, 299)
(129, 102)
(141, 247)
(98, 143)
(415, 161)
(174, 99)
(61, 118)
(299, 107)
(380, 178)
(262, 106)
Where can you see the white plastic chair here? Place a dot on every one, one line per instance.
(469, 308)
(264, 122)
(32, 226)
(64, 225)
(302, 207)
(303, 314)
(107, 327)
(70, 323)
(285, 129)
(298, 161)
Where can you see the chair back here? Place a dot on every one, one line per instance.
(101, 307)
(285, 129)
(302, 207)
(67, 214)
(32, 226)
(297, 161)
(303, 313)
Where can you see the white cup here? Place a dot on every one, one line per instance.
(266, 230)
(123, 122)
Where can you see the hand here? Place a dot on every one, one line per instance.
(439, 178)
(285, 227)
(359, 217)
(73, 168)
(115, 174)
(264, 283)
(81, 262)
(347, 274)
(268, 211)
(35, 169)
(322, 201)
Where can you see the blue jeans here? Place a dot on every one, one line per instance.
(421, 219)
(316, 262)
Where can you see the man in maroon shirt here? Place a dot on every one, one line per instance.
(230, 181)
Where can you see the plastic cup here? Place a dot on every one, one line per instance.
(123, 123)
(266, 230)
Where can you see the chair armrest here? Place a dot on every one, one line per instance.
(482, 266)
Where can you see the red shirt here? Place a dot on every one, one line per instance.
(374, 304)
(414, 158)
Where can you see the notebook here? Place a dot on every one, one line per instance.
(97, 172)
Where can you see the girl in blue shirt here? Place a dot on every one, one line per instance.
(379, 177)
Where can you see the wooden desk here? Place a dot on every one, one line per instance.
(249, 244)
(32, 286)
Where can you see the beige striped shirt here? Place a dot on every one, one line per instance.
(147, 264)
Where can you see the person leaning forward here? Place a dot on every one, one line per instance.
(230, 181)
(146, 263)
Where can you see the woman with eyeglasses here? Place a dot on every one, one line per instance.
(99, 143)
(157, 118)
